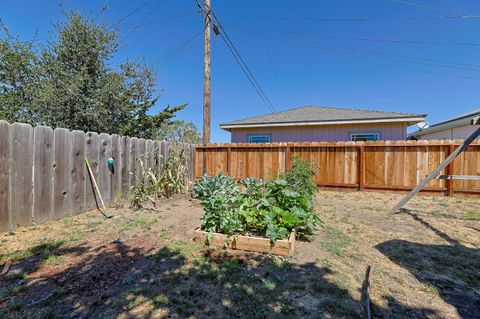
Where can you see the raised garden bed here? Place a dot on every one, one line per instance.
(282, 247)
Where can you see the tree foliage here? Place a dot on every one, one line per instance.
(70, 83)
(180, 132)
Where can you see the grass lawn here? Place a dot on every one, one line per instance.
(426, 264)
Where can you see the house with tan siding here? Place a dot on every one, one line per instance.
(317, 123)
(459, 127)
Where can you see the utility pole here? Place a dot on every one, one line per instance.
(206, 75)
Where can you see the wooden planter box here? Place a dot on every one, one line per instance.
(282, 247)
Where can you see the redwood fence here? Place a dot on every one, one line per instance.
(384, 165)
(43, 175)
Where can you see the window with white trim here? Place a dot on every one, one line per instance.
(259, 138)
(365, 137)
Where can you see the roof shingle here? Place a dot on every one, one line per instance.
(308, 114)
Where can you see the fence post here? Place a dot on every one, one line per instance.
(450, 171)
(361, 169)
(229, 161)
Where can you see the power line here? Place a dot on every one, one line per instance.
(330, 51)
(424, 6)
(236, 54)
(144, 18)
(380, 19)
(164, 21)
(386, 55)
(131, 13)
(177, 51)
(364, 38)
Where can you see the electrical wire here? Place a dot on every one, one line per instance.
(332, 36)
(385, 55)
(163, 22)
(424, 6)
(246, 70)
(131, 13)
(177, 51)
(144, 19)
(357, 55)
(350, 19)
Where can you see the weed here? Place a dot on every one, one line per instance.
(75, 235)
(183, 248)
(10, 291)
(42, 249)
(471, 214)
(55, 260)
(162, 299)
(324, 262)
(67, 221)
(287, 307)
(270, 285)
(16, 276)
(381, 271)
(431, 289)
(335, 241)
(143, 222)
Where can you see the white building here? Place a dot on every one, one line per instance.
(459, 127)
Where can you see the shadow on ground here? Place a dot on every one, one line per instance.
(451, 270)
(181, 280)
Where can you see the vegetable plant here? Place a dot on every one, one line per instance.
(265, 208)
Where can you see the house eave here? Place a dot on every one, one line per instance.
(443, 126)
(409, 120)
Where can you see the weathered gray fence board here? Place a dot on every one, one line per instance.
(43, 174)
(21, 182)
(62, 191)
(158, 156)
(124, 164)
(91, 152)
(4, 176)
(141, 159)
(116, 178)
(150, 153)
(78, 172)
(164, 152)
(104, 175)
(132, 161)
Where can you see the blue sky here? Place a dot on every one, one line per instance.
(420, 56)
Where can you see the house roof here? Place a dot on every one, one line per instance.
(319, 115)
(460, 120)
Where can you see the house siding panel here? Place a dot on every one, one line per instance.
(460, 132)
(388, 131)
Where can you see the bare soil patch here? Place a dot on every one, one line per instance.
(143, 264)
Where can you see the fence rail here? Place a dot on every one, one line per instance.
(43, 174)
(384, 165)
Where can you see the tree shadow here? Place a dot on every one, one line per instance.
(452, 271)
(181, 280)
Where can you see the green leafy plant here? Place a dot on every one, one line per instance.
(300, 177)
(152, 183)
(206, 186)
(265, 208)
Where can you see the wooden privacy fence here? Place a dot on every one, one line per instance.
(383, 165)
(43, 174)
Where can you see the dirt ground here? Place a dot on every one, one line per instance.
(143, 264)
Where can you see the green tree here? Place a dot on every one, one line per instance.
(70, 83)
(181, 132)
